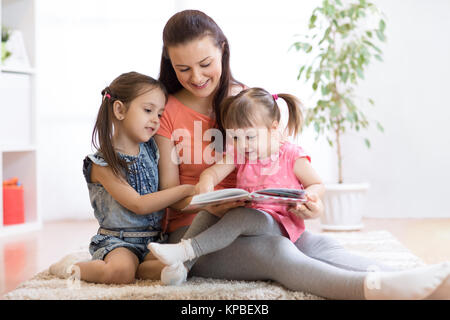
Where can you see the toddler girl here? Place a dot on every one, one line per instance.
(263, 160)
(122, 179)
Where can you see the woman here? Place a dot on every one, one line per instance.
(195, 69)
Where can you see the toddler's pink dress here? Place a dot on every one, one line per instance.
(274, 173)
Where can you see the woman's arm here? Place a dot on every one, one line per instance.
(314, 188)
(123, 193)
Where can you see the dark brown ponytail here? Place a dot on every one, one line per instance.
(295, 120)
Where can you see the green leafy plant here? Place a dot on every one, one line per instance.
(343, 41)
(5, 37)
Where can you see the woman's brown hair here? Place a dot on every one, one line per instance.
(125, 88)
(190, 25)
(255, 105)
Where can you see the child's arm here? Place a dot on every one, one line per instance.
(209, 178)
(123, 193)
(169, 176)
(314, 187)
(212, 176)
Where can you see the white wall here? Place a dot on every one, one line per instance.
(407, 165)
(83, 45)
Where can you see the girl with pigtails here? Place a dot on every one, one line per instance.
(263, 161)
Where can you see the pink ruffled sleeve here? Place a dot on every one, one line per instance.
(297, 152)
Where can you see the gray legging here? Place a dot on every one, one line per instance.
(254, 249)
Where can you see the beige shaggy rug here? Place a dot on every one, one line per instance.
(378, 245)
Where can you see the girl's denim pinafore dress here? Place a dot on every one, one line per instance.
(142, 175)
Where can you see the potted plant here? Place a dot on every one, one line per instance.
(342, 43)
(5, 37)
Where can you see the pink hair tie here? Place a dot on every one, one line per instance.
(275, 96)
(107, 95)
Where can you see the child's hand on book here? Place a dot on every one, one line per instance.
(308, 210)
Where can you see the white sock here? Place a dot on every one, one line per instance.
(64, 267)
(414, 284)
(172, 253)
(443, 291)
(174, 275)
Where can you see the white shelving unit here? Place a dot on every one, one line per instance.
(18, 152)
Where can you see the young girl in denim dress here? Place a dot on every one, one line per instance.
(122, 179)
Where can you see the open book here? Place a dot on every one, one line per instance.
(271, 196)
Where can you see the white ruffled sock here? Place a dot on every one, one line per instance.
(64, 268)
(170, 254)
(442, 292)
(415, 284)
(174, 275)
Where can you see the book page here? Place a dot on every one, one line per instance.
(224, 194)
(282, 192)
(280, 196)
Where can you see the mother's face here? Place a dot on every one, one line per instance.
(198, 65)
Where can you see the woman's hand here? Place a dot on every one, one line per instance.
(311, 209)
(220, 209)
